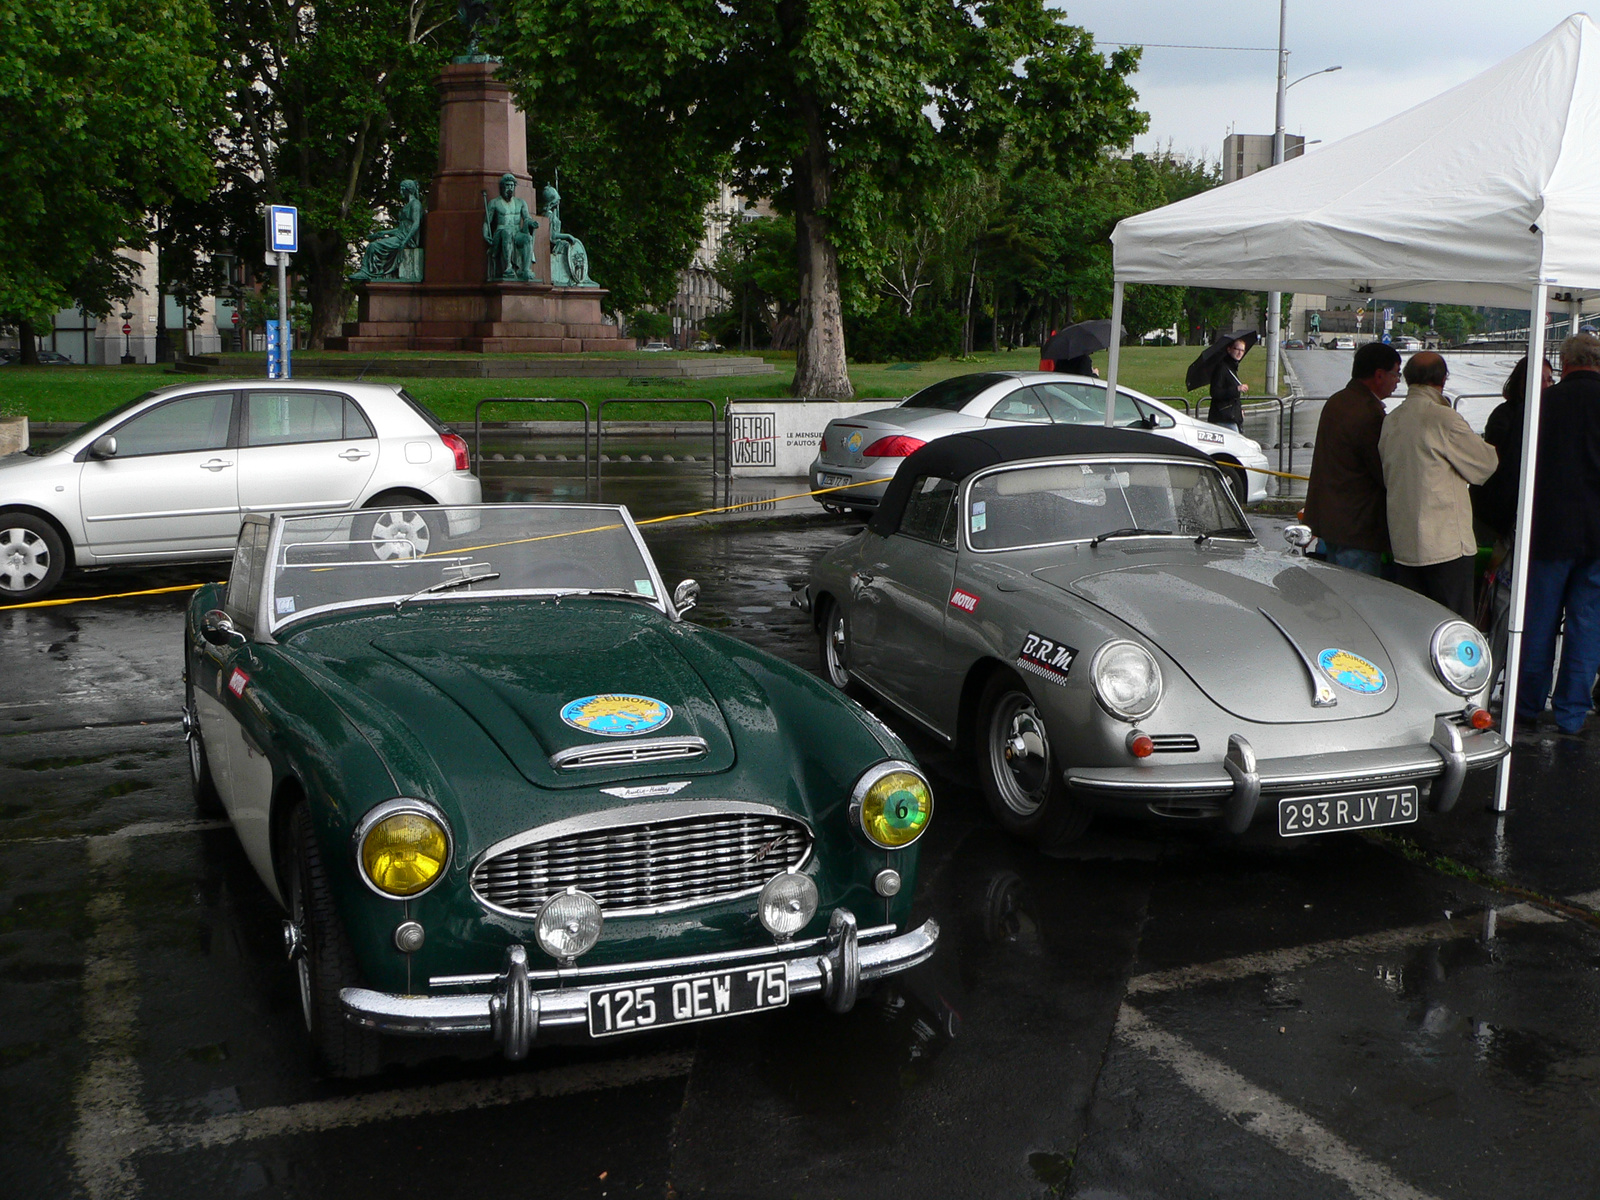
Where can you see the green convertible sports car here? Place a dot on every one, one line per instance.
(503, 788)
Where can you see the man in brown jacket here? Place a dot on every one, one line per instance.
(1345, 504)
(1430, 457)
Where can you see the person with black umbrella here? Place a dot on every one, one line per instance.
(1068, 350)
(1218, 367)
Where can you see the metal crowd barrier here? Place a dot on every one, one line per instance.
(477, 428)
(600, 427)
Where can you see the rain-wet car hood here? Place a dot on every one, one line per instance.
(1233, 623)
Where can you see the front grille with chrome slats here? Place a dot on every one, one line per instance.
(648, 866)
(616, 754)
(1175, 743)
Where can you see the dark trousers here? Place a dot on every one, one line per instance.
(1572, 586)
(1447, 583)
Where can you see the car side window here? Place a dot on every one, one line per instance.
(1022, 406)
(192, 423)
(244, 580)
(278, 418)
(929, 514)
(1085, 404)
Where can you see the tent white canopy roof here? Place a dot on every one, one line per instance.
(1473, 197)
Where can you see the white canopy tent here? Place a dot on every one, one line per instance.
(1487, 194)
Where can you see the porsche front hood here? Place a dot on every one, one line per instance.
(1262, 636)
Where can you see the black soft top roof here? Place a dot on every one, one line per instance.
(963, 454)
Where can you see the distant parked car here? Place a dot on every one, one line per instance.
(707, 347)
(169, 476)
(1407, 344)
(1294, 344)
(1343, 344)
(655, 347)
(53, 358)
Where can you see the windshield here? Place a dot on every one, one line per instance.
(348, 559)
(39, 449)
(1079, 501)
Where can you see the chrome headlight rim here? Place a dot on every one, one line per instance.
(400, 806)
(864, 784)
(1155, 670)
(1476, 635)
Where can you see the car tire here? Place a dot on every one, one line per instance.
(207, 800)
(1019, 773)
(324, 963)
(833, 646)
(1238, 482)
(391, 522)
(32, 557)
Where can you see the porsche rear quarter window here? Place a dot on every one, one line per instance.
(929, 509)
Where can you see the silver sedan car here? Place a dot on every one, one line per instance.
(855, 450)
(169, 476)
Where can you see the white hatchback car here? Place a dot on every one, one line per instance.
(168, 477)
(873, 445)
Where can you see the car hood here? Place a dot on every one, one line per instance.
(1232, 623)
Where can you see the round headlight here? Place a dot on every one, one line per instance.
(787, 904)
(1461, 657)
(1126, 679)
(569, 924)
(891, 805)
(404, 848)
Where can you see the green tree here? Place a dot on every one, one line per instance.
(756, 266)
(104, 104)
(828, 106)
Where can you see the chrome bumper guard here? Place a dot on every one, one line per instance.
(515, 1010)
(1446, 758)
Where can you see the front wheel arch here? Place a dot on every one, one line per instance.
(1237, 476)
(967, 708)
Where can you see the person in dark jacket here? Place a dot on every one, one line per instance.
(1226, 390)
(1346, 505)
(1495, 502)
(1564, 559)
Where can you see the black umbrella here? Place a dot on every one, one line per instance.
(1201, 368)
(1075, 341)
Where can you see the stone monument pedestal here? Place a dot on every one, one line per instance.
(482, 136)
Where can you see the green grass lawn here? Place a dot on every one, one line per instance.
(83, 393)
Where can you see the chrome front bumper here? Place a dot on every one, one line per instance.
(1241, 781)
(516, 1008)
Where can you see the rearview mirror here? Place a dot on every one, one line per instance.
(217, 627)
(1299, 537)
(104, 446)
(686, 595)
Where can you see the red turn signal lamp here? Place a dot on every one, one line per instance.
(1480, 718)
(822, 446)
(457, 445)
(897, 446)
(1140, 745)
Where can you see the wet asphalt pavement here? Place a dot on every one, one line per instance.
(1156, 1016)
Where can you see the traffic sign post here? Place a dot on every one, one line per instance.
(283, 239)
(279, 340)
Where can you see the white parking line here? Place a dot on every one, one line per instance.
(1263, 1114)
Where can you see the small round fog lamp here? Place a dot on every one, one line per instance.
(568, 925)
(787, 904)
(404, 853)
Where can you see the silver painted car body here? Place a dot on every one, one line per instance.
(1244, 716)
(179, 505)
(844, 465)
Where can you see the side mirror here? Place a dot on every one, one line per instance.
(1299, 537)
(104, 446)
(686, 595)
(217, 627)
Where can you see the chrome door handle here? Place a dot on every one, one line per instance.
(216, 464)
(865, 576)
(353, 454)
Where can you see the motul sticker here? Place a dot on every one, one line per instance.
(965, 601)
(237, 681)
(1046, 658)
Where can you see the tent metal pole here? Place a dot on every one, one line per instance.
(1114, 352)
(1522, 541)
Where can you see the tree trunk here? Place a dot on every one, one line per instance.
(324, 278)
(28, 343)
(819, 366)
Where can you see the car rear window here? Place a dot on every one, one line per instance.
(422, 410)
(952, 395)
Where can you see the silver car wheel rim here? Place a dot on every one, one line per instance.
(400, 534)
(1019, 754)
(24, 559)
(838, 650)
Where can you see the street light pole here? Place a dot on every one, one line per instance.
(1275, 299)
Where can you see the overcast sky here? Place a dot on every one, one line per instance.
(1394, 54)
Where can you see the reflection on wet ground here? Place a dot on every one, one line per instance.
(1141, 1018)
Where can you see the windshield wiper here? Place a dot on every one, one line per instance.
(444, 585)
(624, 593)
(1131, 531)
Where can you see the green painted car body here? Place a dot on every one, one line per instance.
(457, 700)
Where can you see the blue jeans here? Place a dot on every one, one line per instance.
(1368, 562)
(1570, 585)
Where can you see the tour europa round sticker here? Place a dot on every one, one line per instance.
(853, 443)
(616, 714)
(1352, 671)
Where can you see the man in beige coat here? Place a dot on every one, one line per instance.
(1430, 457)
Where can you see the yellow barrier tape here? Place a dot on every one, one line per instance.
(181, 587)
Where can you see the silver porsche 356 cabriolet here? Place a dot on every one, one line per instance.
(1088, 611)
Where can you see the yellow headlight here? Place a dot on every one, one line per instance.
(895, 809)
(404, 854)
